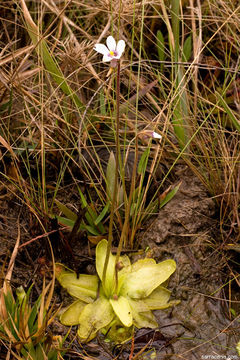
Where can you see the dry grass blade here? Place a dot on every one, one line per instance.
(7, 146)
(12, 262)
(15, 55)
(48, 59)
(6, 289)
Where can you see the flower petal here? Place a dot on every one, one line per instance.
(142, 316)
(94, 317)
(83, 287)
(141, 282)
(111, 43)
(120, 48)
(71, 315)
(123, 310)
(106, 58)
(155, 135)
(101, 49)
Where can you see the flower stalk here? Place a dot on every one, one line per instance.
(110, 231)
(123, 238)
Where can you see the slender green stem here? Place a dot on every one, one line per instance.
(110, 231)
(123, 237)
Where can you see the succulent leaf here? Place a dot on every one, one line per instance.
(129, 295)
(94, 317)
(141, 283)
(158, 299)
(71, 315)
(142, 316)
(143, 263)
(83, 287)
(101, 251)
(123, 310)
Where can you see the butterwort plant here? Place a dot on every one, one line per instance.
(112, 52)
(122, 295)
(126, 298)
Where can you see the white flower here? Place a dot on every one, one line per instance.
(156, 135)
(150, 133)
(146, 134)
(112, 50)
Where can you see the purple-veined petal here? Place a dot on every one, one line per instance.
(111, 43)
(102, 49)
(120, 48)
(106, 58)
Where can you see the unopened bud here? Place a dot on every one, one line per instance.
(119, 265)
(115, 297)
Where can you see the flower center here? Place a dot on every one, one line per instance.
(112, 53)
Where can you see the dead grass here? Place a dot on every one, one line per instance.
(54, 120)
